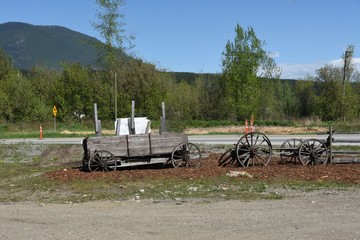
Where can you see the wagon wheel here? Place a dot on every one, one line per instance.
(186, 154)
(253, 149)
(290, 150)
(313, 151)
(227, 158)
(102, 161)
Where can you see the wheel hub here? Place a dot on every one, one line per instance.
(253, 151)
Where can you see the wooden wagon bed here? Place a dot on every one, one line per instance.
(107, 153)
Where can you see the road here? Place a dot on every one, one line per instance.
(340, 139)
(315, 215)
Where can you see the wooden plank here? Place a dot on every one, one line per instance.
(139, 145)
(114, 144)
(137, 163)
(165, 143)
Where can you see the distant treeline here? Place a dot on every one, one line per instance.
(31, 95)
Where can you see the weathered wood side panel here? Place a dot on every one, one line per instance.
(117, 145)
(137, 145)
(165, 143)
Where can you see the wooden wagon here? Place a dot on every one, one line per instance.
(111, 152)
(255, 149)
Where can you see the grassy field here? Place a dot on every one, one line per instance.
(74, 128)
(24, 169)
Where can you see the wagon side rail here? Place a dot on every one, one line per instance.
(349, 155)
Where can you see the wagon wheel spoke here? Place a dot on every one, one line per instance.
(227, 158)
(320, 153)
(243, 150)
(246, 160)
(313, 151)
(242, 156)
(257, 160)
(290, 150)
(102, 161)
(186, 154)
(253, 149)
(95, 163)
(304, 153)
(262, 155)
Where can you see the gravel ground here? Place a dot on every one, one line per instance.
(316, 215)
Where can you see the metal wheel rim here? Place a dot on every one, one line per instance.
(313, 151)
(102, 161)
(253, 149)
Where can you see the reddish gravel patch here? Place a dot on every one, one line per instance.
(347, 173)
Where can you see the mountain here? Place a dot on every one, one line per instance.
(29, 45)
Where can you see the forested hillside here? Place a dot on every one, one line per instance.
(30, 45)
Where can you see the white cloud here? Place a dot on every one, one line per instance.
(299, 71)
(274, 54)
(337, 62)
(356, 61)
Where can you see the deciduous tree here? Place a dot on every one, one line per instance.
(243, 59)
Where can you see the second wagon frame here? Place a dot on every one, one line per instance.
(255, 149)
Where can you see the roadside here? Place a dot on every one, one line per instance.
(231, 130)
(261, 129)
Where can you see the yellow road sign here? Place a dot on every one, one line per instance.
(54, 111)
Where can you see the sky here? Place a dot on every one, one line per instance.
(190, 35)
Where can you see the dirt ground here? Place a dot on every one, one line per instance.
(275, 170)
(320, 215)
